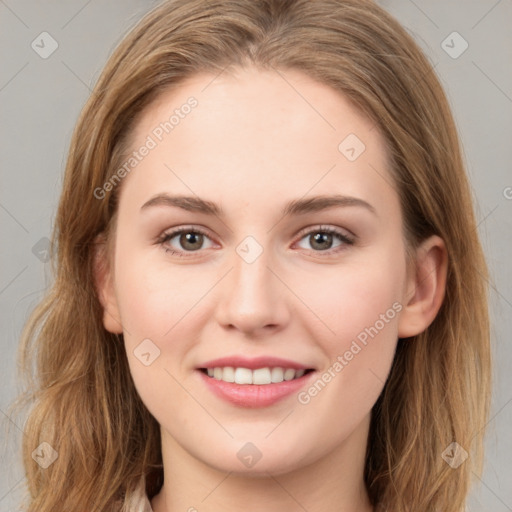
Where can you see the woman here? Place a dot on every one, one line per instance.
(327, 345)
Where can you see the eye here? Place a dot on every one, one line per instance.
(187, 240)
(321, 239)
(191, 239)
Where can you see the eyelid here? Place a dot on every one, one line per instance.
(177, 230)
(325, 227)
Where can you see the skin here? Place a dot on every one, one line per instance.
(251, 145)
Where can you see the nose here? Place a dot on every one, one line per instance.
(252, 299)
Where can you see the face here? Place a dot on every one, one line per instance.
(262, 270)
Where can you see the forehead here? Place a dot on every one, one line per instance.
(258, 135)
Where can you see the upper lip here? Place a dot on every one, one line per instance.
(254, 363)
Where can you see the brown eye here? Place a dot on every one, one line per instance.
(182, 241)
(322, 239)
(191, 241)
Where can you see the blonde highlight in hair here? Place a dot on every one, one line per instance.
(84, 402)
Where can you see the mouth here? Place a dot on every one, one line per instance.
(258, 376)
(254, 387)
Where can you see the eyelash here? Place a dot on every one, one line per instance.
(320, 229)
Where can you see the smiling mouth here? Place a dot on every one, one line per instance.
(259, 376)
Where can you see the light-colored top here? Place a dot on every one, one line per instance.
(138, 501)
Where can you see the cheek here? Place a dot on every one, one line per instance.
(352, 299)
(161, 309)
(360, 307)
(153, 297)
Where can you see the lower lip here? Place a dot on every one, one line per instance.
(254, 395)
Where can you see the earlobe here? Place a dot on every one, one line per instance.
(426, 287)
(103, 281)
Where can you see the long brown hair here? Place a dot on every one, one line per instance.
(84, 403)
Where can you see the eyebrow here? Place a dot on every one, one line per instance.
(295, 207)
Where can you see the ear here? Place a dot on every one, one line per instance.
(425, 288)
(103, 282)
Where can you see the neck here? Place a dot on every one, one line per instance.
(332, 483)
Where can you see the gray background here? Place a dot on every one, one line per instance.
(40, 100)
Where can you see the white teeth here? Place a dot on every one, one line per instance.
(228, 374)
(277, 375)
(289, 374)
(243, 376)
(259, 376)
